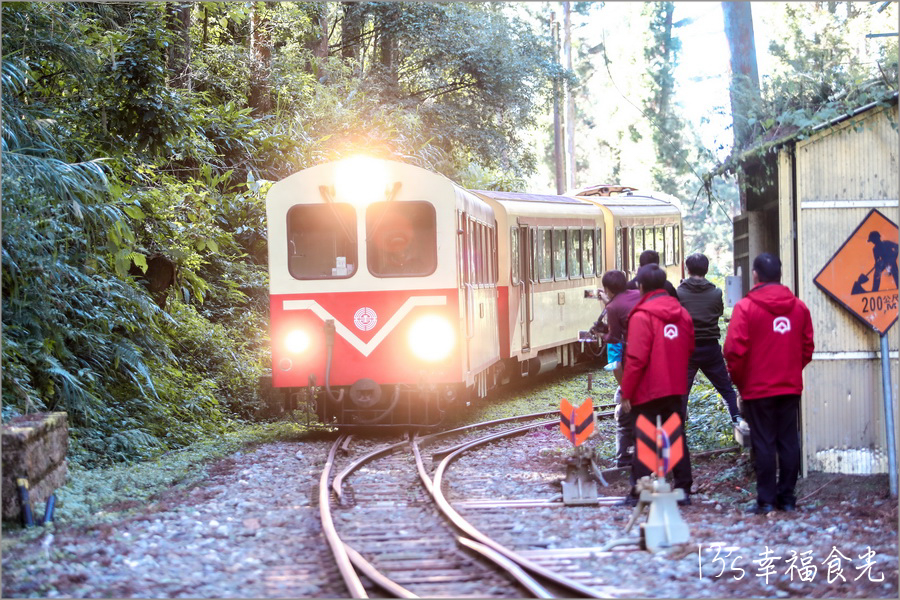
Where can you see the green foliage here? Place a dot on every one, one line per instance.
(118, 158)
(825, 67)
(661, 54)
(79, 333)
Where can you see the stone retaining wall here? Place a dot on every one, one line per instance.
(34, 447)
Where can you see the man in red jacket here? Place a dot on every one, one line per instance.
(658, 345)
(769, 341)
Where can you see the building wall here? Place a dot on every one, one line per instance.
(841, 174)
(787, 227)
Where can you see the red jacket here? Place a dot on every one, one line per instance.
(659, 343)
(769, 341)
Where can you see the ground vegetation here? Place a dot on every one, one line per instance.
(139, 140)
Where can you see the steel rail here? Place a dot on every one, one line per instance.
(378, 578)
(434, 487)
(508, 565)
(337, 483)
(440, 454)
(350, 561)
(358, 562)
(486, 551)
(348, 573)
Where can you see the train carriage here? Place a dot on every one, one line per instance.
(383, 291)
(550, 252)
(637, 222)
(396, 295)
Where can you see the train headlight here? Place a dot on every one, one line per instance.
(296, 341)
(360, 180)
(432, 338)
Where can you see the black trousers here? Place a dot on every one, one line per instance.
(710, 361)
(776, 447)
(663, 407)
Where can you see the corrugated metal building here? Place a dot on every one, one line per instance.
(801, 200)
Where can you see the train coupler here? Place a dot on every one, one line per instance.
(664, 527)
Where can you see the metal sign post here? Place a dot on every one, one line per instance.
(889, 411)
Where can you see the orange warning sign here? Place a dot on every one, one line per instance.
(659, 448)
(862, 274)
(576, 424)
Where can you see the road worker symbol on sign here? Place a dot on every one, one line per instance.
(862, 274)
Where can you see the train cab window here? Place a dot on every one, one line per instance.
(496, 233)
(545, 256)
(587, 252)
(649, 239)
(322, 241)
(479, 254)
(514, 257)
(574, 258)
(473, 252)
(492, 254)
(559, 253)
(401, 239)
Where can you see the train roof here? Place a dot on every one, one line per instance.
(521, 197)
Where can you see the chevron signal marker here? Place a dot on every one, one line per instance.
(660, 447)
(576, 424)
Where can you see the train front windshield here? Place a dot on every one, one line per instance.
(401, 240)
(322, 241)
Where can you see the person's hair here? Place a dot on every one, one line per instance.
(767, 267)
(697, 264)
(651, 277)
(614, 281)
(648, 257)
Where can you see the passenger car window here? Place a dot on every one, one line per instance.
(559, 253)
(574, 259)
(546, 254)
(322, 241)
(587, 251)
(401, 239)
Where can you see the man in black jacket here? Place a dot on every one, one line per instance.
(648, 257)
(703, 301)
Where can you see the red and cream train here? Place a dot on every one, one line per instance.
(397, 295)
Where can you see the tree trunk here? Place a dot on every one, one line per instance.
(745, 94)
(261, 52)
(387, 44)
(178, 57)
(321, 50)
(205, 26)
(570, 98)
(351, 29)
(667, 89)
(558, 157)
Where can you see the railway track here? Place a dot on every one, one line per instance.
(401, 524)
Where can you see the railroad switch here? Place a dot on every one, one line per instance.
(664, 527)
(580, 485)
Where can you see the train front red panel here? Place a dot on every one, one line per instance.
(370, 341)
